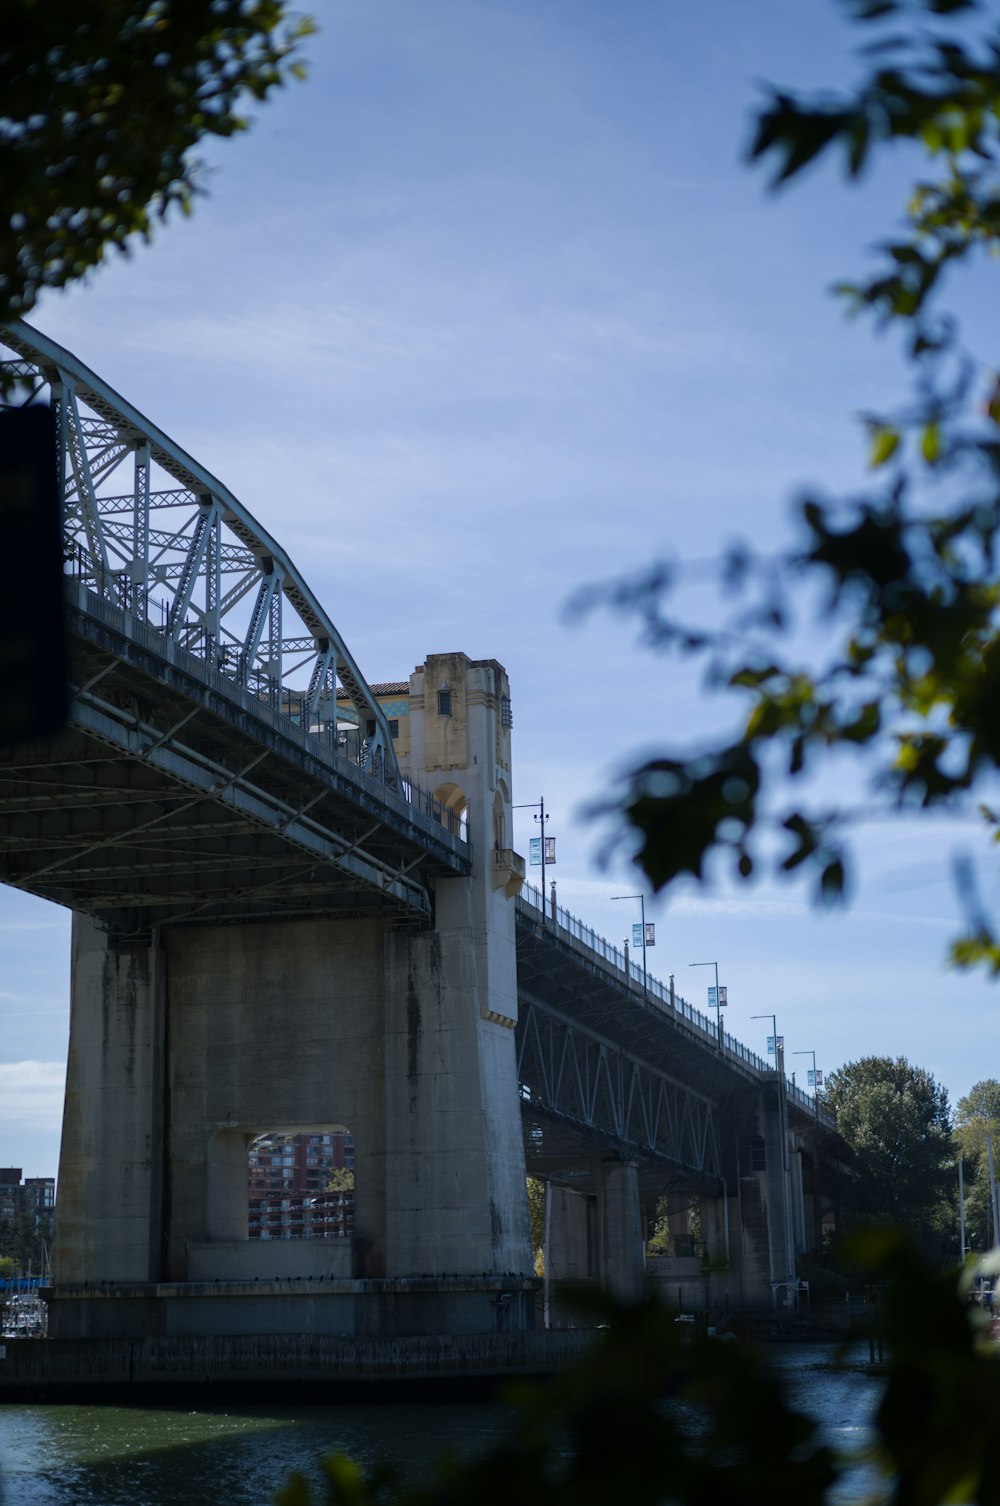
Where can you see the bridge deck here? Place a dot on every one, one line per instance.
(175, 794)
(610, 1067)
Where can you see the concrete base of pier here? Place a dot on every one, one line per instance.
(328, 1366)
(304, 1305)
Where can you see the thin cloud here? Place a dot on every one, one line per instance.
(31, 1094)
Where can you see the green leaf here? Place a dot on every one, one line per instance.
(885, 441)
(930, 443)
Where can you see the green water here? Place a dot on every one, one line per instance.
(238, 1455)
(227, 1455)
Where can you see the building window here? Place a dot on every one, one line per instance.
(393, 727)
(758, 1158)
(370, 727)
(444, 703)
(506, 714)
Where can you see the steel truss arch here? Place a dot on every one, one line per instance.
(578, 1076)
(150, 530)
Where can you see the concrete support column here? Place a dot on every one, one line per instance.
(775, 1184)
(109, 1213)
(713, 1230)
(455, 1180)
(797, 1199)
(569, 1242)
(622, 1263)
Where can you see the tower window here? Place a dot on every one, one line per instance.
(506, 714)
(444, 703)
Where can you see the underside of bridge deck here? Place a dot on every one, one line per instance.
(171, 797)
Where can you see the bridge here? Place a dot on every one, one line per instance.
(296, 907)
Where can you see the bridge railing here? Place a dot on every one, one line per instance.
(407, 797)
(532, 899)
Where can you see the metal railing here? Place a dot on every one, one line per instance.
(660, 994)
(352, 756)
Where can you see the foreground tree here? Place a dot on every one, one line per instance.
(908, 682)
(646, 1419)
(977, 1117)
(896, 1120)
(101, 104)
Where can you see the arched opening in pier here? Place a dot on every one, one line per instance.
(300, 1184)
(456, 807)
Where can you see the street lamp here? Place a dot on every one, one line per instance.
(642, 901)
(718, 996)
(538, 805)
(779, 1045)
(815, 1074)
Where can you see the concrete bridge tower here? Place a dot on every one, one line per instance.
(454, 1145)
(188, 1043)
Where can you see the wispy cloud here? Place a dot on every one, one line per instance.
(31, 1094)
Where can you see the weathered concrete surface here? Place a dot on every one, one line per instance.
(110, 1170)
(59, 1368)
(294, 1305)
(622, 1261)
(250, 1260)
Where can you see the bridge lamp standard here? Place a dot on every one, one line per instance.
(539, 807)
(717, 1005)
(815, 1075)
(642, 901)
(779, 1044)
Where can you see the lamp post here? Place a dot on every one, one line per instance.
(814, 1073)
(779, 1052)
(781, 1088)
(642, 901)
(718, 996)
(539, 806)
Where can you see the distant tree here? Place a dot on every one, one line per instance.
(977, 1116)
(23, 1241)
(536, 1218)
(101, 104)
(896, 1120)
(341, 1180)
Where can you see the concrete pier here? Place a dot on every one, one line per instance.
(188, 1044)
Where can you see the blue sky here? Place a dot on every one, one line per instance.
(488, 309)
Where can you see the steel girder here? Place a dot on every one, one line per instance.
(173, 795)
(150, 530)
(578, 1079)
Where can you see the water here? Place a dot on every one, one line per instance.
(239, 1454)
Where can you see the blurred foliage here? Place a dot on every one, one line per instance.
(536, 1219)
(907, 683)
(977, 1116)
(654, 1416)
(26, 1242)
(897, 1122)
(341, 1179)
(101, 103)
